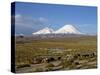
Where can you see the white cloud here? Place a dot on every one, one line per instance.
(17, 16)
(42, 19)
(28, 21)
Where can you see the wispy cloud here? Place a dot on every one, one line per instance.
(88, 28)
(24, 21)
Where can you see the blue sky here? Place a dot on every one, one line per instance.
(31, 17)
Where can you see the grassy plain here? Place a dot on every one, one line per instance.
(67, 53)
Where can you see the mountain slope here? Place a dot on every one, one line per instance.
(67, 29)
(45, 30)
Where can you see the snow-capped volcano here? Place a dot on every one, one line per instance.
(45, 30)
(67, 29)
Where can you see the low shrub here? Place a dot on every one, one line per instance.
(50, 65)
(39, 70)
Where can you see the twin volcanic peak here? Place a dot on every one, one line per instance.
(66, 29)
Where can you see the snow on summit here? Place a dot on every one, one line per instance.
(45, 30)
